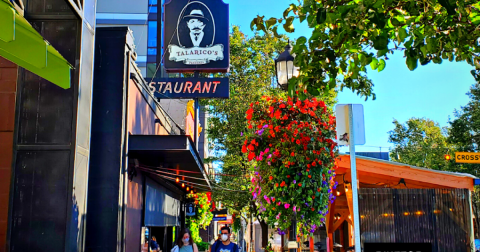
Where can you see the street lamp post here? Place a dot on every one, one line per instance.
(284, 67)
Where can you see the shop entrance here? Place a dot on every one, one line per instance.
(165, 237)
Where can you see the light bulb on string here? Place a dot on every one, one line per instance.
(177, 180)
(183, 184)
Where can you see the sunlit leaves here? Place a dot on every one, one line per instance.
(428, 31)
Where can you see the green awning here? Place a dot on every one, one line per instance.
(23, 45)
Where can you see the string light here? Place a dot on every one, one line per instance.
(338, 193)
(183, 184)
(177, 180)
(418, 212)
(188, 189)
(406, 213)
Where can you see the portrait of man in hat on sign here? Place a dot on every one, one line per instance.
(196, 23)
(196, 26)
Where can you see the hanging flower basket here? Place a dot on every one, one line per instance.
(203, 215)
(290, 145)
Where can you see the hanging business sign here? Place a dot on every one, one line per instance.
(224, 218)
(190, 211)
(196, 36)
(189, 88)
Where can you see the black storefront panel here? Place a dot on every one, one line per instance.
(162, 207)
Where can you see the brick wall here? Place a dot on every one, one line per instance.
(8, 87)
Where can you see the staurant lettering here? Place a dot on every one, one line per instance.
(200, 87)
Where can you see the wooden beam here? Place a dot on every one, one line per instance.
(340, 221)
(441, 180)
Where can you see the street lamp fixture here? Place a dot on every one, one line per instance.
(284, 67)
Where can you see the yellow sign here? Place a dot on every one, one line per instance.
(467, 157)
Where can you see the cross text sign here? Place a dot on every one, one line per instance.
(467, 157)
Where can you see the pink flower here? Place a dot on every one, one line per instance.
(278, 204)
(278, 216)
(286, 205)
(294, 208)
(267, 150)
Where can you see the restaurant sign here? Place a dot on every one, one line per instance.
(189, 88)
(197, 33)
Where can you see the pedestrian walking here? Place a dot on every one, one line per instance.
(184, 242)
(154, 245)
(224, 245)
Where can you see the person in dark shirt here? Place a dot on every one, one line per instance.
(225, 245)
(153, 244)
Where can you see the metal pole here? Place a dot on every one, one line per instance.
(472, 235)
(197, 112)
(353, 165)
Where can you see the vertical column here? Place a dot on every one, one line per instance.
(8, 88)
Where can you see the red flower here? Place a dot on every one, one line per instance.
(313, 209)
(309, 176)
(288, 176)
(292, 154)
(251, 155)
(298, 141)
(299, 184)
(244, 149)
(318, 190)
(251, 147)
(277, 114)
(270, 177)
(273, 208)
(273, 199)
(314, 163)
(313, 197)
(276, 184)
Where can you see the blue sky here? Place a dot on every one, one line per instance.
(431, 91)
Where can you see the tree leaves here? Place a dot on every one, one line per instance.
(401, 35)
(321, 16)
(381, 65)
(374, 64)
(288, 26)
(433, 29)
(412, 63)
(380, 43)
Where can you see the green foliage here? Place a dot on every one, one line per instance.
(237, 224)
(349, 35)
(420, 142)
(203, 216)
(202, 246)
